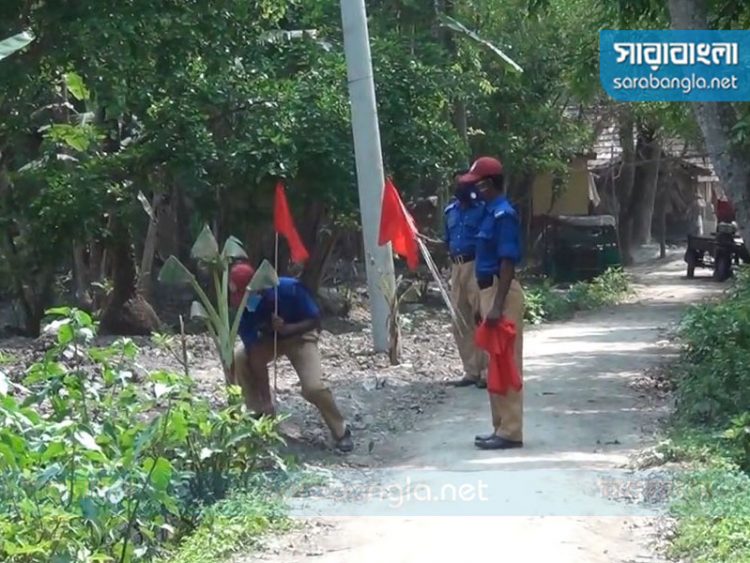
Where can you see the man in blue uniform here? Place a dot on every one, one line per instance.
(297, 325)
(498, 252)
(463, 216)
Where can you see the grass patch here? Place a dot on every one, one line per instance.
(545, 303)
(230, 526)
(239, 523)
(712, 500)
(711, 431)
(7, 359)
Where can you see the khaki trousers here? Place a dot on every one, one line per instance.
(465, 299)
(250, 371)
(507, 410)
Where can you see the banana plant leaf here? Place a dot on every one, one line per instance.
(233, 248)
(16, 43)
(265, 277)
(205, 249)
(197, 311)
(174, 272)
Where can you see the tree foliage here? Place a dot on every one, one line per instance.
(207, 102)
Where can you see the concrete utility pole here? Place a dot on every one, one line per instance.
(369, 157)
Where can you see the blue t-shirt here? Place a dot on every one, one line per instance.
(462, 225)
(296, 304)
(499, 238)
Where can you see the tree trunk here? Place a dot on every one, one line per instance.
(170, 227)
(96, 256)
(317, 266)
(716, 120)
(460, 118)
(320, 242)
(82, 277)
(663, 231)
(648, 151)
(149, 249)
(660, 210)
(33, 289)
(32, 285)
(126, 312)
(626, 184)
(520, 193)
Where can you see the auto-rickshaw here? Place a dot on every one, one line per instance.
(580, 247)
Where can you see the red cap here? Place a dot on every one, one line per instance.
(482, 168)
(239, 276)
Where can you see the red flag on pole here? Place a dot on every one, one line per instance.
(397, 226)
(284, 225)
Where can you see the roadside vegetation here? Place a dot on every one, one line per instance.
(100, 461)
(711, 431)
(545, 303)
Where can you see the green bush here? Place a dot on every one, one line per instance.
(229, 526)
(608, 289)
(98, 464)
(713, 511)
(544, 303)
(712, 423)
(713, 384)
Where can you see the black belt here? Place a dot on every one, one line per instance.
(463, 258)
(485, 283)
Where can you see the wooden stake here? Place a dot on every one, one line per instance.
(276, 313)
(458, 319)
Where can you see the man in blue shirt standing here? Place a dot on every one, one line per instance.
(463, 216)
(297, 326)
(498, 252)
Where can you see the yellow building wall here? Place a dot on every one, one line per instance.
(574, 199)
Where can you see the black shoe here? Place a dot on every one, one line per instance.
(483, 437)
(345, 443)
(481, 384)
(497, 443)
(465, 382)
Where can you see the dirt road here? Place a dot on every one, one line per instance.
(563, 497)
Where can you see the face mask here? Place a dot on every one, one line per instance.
(252, 302)
(465, 194)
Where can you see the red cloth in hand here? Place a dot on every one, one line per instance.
(498, 340)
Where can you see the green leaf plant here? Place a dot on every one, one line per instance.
(216, 314)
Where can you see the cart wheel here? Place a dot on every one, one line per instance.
(691, 260)
(723, 267)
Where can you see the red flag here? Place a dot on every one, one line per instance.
(498, 341)
(284, 225)
(397, 226)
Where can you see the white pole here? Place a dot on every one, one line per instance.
(370, 176)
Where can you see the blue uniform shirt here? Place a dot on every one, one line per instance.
(462, 225)
(499, 238)
(296, 304)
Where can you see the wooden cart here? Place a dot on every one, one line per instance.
(718, 251)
